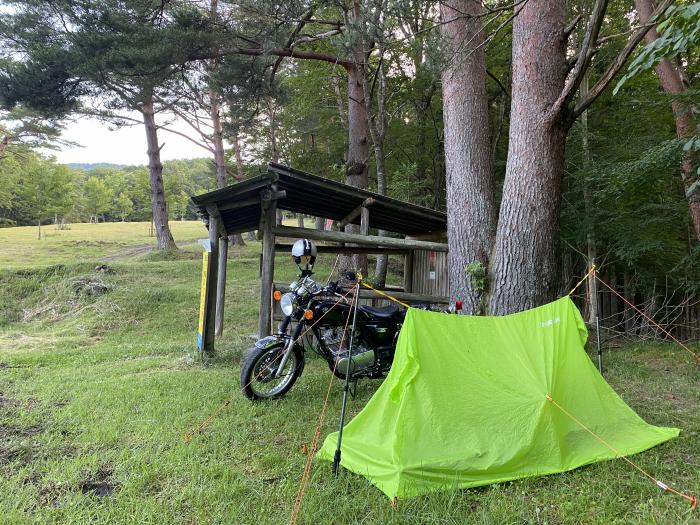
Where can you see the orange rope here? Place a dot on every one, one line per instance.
(660, 484)
(187, 436)
(317, 433)
(696, 356)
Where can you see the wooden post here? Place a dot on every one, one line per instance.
(268, 220)
(364, 221)
(221, 286)
(408, 272)
(212, 280)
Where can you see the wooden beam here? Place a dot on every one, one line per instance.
(324, 248)
(364, 240)
(440, 236)
(264, 196)
(354, 213)
(402, 296)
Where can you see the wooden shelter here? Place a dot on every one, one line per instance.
(418, 232)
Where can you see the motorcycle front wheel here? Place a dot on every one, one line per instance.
(258, 371)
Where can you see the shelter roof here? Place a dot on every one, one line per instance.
(240, 204)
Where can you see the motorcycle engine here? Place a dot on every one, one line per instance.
(362, 358)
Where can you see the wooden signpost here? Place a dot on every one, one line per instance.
(205, 338)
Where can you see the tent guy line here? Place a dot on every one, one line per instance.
(321, 418)
(675, 339)
(691, 498)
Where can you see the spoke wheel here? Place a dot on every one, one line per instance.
(258, 379)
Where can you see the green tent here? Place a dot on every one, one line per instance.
(465, 405)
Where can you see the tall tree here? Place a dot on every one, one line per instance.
(471, 221)
(115, 55)
(523, 267)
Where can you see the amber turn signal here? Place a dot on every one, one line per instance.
(277, 295)
(308, 315)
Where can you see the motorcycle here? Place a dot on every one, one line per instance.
(273, 365)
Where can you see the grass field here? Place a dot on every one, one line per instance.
(97, 390)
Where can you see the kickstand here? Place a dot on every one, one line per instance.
(353, 387)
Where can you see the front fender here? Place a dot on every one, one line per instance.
(269, 342)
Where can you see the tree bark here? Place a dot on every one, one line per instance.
(377, 129)
(591, 246)
(272, 136)
(4, 143)
(164, 238)
(240, 172)
(524, 270)
(629, 293)
(671, 80)
(471, 221)
(358, 129)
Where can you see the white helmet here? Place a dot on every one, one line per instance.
(304, 251)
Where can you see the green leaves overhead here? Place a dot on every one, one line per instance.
(679, 32)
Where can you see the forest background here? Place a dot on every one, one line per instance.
(280, 82)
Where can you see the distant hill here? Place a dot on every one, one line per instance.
(92, 166)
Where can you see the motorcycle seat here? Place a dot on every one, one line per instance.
(383, 312)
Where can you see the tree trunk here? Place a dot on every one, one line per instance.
(524, 269)
(319, 223)
(164, 238)
(342, 115)
(629, 293)
(591, 247)
(471, 221)
(614, 304)
(377, 128)
(239, 157)
(671, 79)
(358, 147)
(4, 143)
(241, 173)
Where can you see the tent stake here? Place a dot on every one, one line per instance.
(336, 457)
(600, 348)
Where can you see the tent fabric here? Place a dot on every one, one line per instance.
(464, 405)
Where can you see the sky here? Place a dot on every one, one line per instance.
(123, 146)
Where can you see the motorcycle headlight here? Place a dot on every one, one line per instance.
(288, 304)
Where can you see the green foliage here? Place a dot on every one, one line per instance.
(478, 275)
(43, 189)
(98, 197)
(679, 32)
(38, 187)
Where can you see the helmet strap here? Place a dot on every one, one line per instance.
(306, 272)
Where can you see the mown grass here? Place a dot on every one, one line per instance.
(97, 391)
(20, 248)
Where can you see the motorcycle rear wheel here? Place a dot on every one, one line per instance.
(259, 367)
